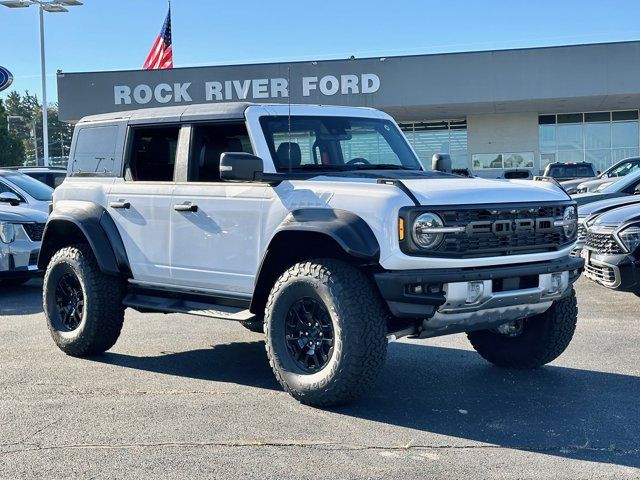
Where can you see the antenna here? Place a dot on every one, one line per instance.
(289, 113)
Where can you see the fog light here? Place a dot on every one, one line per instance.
(556, 282)
(475, 290)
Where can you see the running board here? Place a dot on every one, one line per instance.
(145, 303)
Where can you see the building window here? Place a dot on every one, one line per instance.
(601, 138)
(449, 136)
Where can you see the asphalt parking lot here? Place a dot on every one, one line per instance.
(188, 397)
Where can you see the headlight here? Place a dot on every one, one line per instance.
(630, 237)
(7, 232)
(427, 230)
(570, 221)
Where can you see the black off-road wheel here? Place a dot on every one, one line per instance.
(326, 329)
(531, 342)
(83, 306)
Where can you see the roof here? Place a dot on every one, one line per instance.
(223, 110)
(226, 110)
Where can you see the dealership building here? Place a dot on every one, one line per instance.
(491, 111)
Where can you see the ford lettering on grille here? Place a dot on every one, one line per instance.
(508, 227)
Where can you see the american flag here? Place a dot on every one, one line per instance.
(161, 55)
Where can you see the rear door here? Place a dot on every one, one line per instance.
(215, 226)
(140, 202)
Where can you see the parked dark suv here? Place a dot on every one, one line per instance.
(568, 171)
(612, 248)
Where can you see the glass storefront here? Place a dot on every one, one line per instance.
(602, 138)
(428, 138)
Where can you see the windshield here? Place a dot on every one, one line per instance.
(623, 169)
(622, 183)
(336, 143)
(30, 186)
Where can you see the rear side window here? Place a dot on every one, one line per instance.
(152, 154)
(211, 141)
(95, 149)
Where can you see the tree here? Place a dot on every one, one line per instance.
(11, 148)
(29, 127)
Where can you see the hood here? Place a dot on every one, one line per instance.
(21, 215)
(436, 188)
(619, 216)
(475, 191)
(607, 204)
(574, 183)
(593, 184)
(584, 198)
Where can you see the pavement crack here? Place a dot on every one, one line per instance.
(310, 444)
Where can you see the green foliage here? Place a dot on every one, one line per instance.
(28, 128)
(11, 148)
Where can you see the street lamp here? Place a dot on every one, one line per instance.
(53, 6)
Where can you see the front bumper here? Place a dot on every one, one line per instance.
(19, 259)
(508, 293)
(617, 272)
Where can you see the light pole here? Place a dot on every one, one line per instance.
(53, 6)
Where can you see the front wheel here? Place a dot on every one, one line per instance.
(531, 342)
(325, 331)
(83, 306)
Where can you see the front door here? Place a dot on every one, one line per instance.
(215, 226)
(140, 203)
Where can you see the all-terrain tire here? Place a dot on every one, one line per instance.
(102, 314)
(256, 326)
(359, 322)
(543, 338)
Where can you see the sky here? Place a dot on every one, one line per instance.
(118, 34)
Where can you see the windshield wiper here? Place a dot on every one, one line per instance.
(316, 166)
(385, 166)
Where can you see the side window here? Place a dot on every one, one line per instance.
(95, 149)
(211, 141)
(152, 154)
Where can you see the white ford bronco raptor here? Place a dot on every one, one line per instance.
(315, 225)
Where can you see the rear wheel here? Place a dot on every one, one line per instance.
(530, 342)
(325, 331)
(83, 306)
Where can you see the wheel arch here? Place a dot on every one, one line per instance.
(314, 233)
(85, 222)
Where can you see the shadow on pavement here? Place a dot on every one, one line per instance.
(243, 363)
(572, 413)
(21, 300)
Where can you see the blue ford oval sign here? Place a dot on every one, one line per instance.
(5, 78)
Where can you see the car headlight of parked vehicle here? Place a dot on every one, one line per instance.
(428, 230)
(630, 237)
(7, 232)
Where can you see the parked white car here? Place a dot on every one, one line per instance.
(23, 190)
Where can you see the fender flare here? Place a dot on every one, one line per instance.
(96, 225)
(349, 230)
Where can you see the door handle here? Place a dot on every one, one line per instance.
(185, 207)
(120, 204)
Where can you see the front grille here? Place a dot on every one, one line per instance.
(603, 243)
(464, 244)
(582, 233)
(600, 273)
(34, 230)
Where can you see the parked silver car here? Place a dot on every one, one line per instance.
(21, 232)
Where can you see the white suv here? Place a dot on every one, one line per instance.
(316, 224)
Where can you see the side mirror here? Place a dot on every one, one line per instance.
(598, 172)
(10, 198)
(441, 162)
(240, 167)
